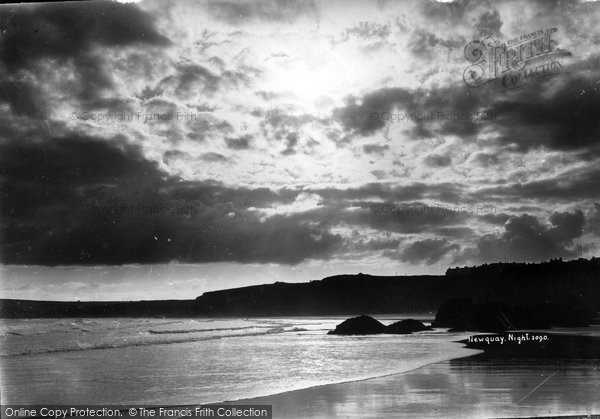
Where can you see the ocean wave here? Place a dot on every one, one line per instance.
(418, 364)
(298, 329)
(169, 332)
(136, 343)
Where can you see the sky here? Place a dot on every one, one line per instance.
(162, 149)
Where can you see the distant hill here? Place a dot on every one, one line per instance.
(574, 282)
(53, 309)
(336, 295)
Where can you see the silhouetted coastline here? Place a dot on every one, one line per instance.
(572, 283)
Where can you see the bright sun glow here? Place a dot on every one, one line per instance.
(308, 85)
(311, 75)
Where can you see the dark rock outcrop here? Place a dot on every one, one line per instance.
(405, 327)
(366, 325)
(535, 345)
(465, 315)
(462, 314)
(361, 325)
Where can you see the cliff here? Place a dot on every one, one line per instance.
(555, 282)
(519, 284)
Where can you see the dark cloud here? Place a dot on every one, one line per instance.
(213, 158)
(488, 23)
(240, 143)
(77, 199)
(281, 119)
(150, 93)
(291, 140)
(486, 159)
(379, 174)
(481, 16)
(365, 116)
(80, 200)
(455, 232)
(67, 30)
(357, 247)
(406, 218)
(191, 79)
(68, 34)
(280, 125)
(350, 208)
(526, 239)
(496, 219)
(524, 209)
(22, 98)
(171, 155)
(370, 30)
(271, 10)
(213, 193)
(443, 111)
(560, 113)
(593, 219)
(387, 194)
(451, 12)
(566, 226)
(204, 126)
(426, 45)
(438, 160)
(375, 148)
(268, 95)
(564, 8)
(580, 183)
(428, 251)
(369, 36)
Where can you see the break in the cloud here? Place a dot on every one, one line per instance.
(287, 134)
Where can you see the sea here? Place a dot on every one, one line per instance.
(188, 361)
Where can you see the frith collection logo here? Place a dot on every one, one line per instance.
(513, 63)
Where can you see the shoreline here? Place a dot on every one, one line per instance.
(358, 380)
(491, 353)
(465, 372)
(502, 381)
(466, 387)
(463, 387)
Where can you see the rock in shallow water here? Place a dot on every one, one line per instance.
(366, 325)
(361, 325)
(406, 326)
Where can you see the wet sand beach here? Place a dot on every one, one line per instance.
(517, 374)
(463, 388)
